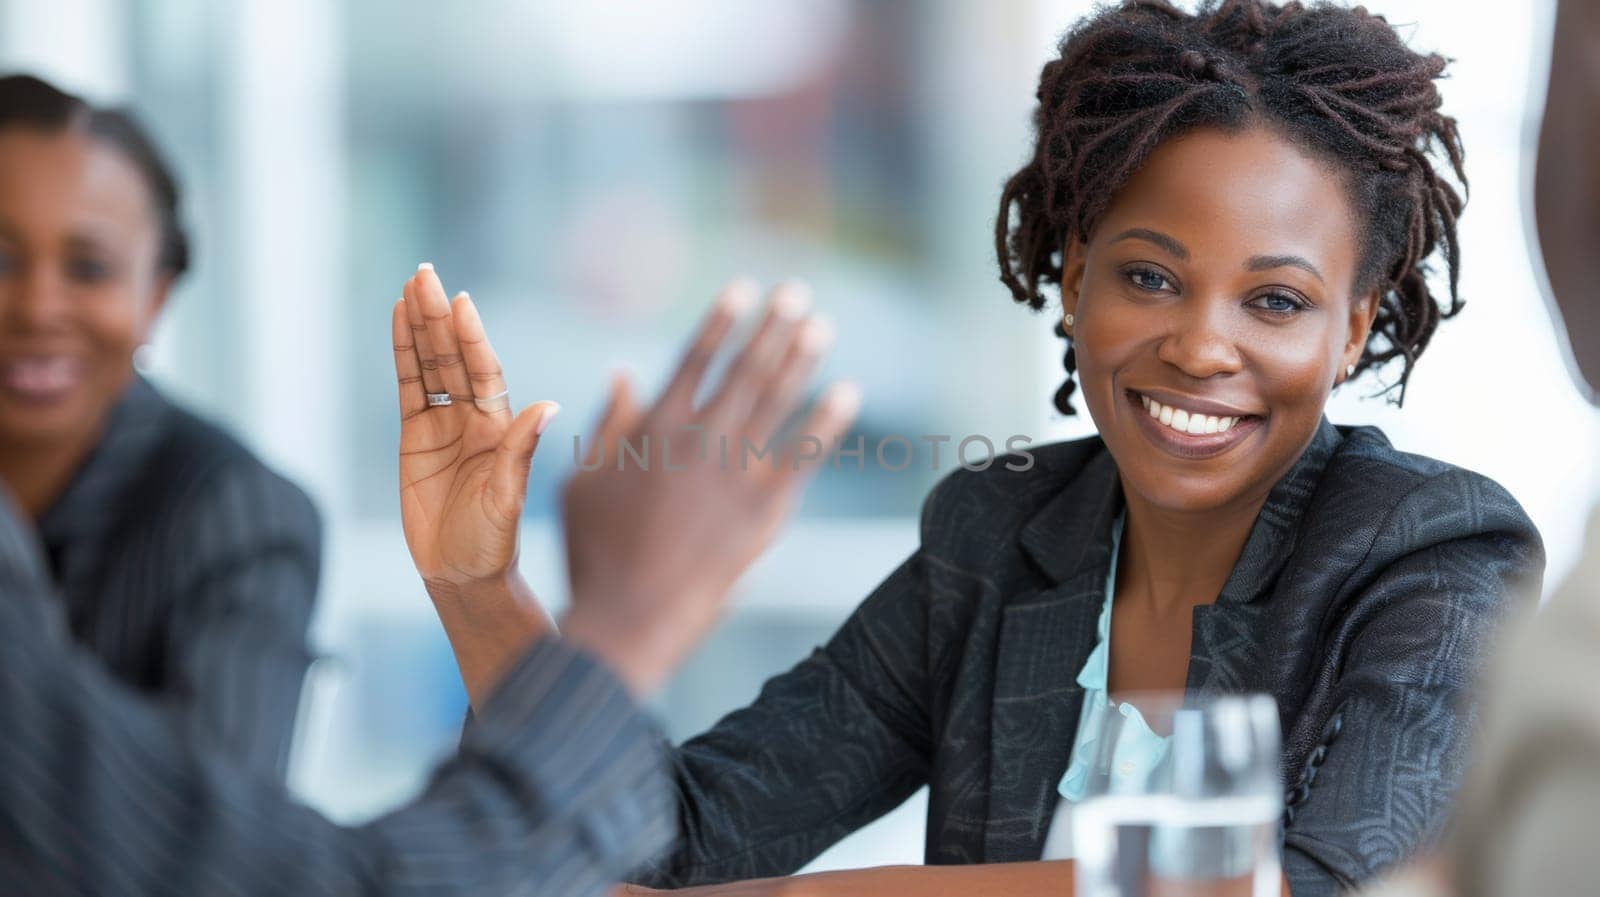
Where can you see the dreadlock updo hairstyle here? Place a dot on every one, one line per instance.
(1337, 81)
(28, 102)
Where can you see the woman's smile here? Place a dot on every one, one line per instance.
(1190, 428)
(40, 379)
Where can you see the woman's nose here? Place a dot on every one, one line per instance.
(1198, 342)
(33, 298)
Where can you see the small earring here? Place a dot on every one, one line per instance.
(1067, 320)
(143, 358)
(1350, 371)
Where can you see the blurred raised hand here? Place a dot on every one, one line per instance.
(463, 477)
(674, 501)
(671, 505)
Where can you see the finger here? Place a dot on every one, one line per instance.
(419, 337)
(407, 369)
(832, 417)
(747, 376)
(733, 303)
(484, 375)
(622, 409)
(786, 385)
(508, 479)
(620, 419)
(442, 333)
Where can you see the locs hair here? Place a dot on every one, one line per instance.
(1337, 81)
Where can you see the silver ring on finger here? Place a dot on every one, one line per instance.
(438, 399)
(491, 404)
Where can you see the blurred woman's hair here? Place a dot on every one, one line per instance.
(29, 102)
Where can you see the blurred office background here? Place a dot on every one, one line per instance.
(592, 172)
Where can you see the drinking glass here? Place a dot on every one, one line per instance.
(1203, 819)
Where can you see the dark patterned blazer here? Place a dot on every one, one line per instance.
(190, 570)
(1362, 601)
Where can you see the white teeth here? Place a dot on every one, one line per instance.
(39, 376)
(1185, 422)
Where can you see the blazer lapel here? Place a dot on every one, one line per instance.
(1226, 653)
(1046, 635)
(73, 529)
(1044, 639)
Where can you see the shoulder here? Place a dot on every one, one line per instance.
(1396, 504)
(222, 500)
(972, 507)
(1422, 499)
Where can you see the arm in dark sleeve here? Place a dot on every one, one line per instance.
(1440, 578)
(827, 747)
(559, 789)
(237, 641)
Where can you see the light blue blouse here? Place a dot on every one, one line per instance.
(1138, 750)
(1129, 765)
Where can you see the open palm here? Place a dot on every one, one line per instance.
(463, 466)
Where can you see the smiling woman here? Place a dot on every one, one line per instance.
(1237, 206)
(182, 563)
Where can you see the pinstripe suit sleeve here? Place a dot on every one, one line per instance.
(559, 789)
(247, 544)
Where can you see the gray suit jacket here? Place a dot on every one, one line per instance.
(190, 570)
(559, 789)
(1362, 603)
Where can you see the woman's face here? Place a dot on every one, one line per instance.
(1217, 286)
(80, 283)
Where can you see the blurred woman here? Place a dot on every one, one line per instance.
(182, 562)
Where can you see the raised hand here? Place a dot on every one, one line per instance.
(655, 545)
(463, 476)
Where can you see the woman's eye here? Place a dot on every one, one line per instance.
(1279, 303)
(1148, 279)
(88, 270)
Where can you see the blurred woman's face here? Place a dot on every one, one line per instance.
(1213, 312)
(80, 283)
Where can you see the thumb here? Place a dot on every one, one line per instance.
(508, 480)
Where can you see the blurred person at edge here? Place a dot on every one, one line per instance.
(181, 562)
(560, 786)
(1240, 206)
(1525, 824)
